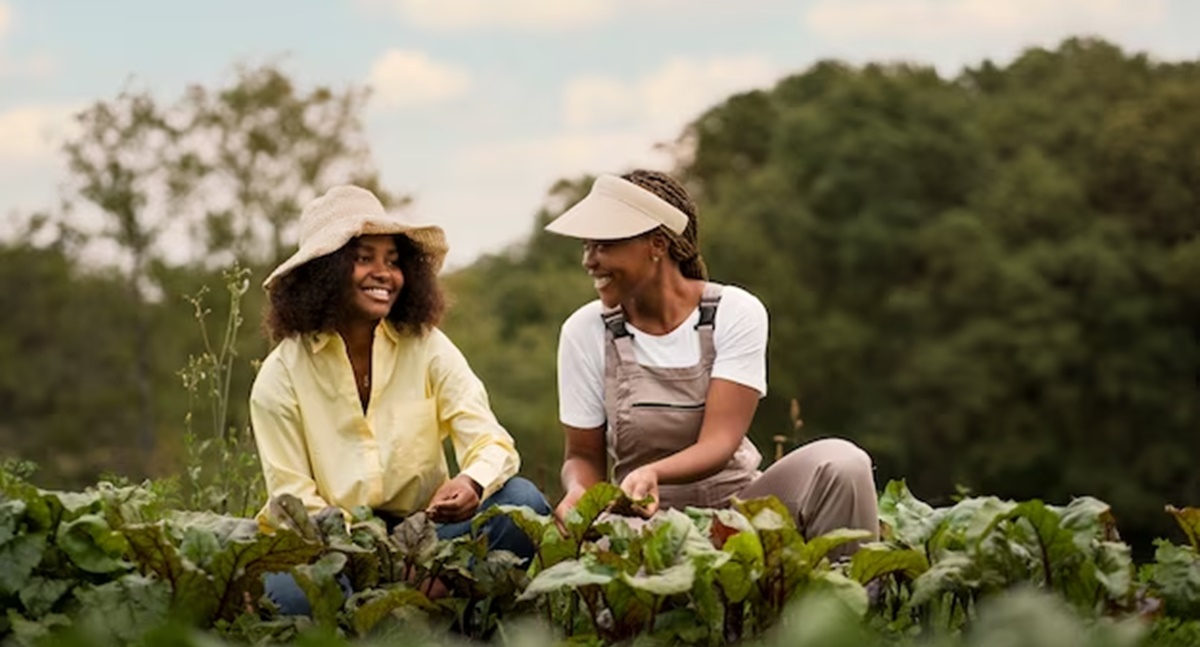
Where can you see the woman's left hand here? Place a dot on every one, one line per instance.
(640, 484)
(456, 500)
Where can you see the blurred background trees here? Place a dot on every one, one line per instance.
(990, 281)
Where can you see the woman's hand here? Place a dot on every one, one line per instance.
(640, 484)
(564, 507)
(456, 500)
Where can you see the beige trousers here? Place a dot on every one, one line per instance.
(826, 484)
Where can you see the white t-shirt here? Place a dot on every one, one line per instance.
(739, 338)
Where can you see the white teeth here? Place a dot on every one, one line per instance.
(600, 281)
(378, 293)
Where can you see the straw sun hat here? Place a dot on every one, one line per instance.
(345, 212)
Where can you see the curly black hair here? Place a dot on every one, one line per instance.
(311, 297)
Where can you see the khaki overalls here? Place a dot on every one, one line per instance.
(654, 412)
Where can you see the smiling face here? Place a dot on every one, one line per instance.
(376, 280)
(621, 268)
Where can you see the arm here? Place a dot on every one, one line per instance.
(279, 435)
(729, 408)
(486, 454)
(585, 464)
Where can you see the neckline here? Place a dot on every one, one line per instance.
(691, 320)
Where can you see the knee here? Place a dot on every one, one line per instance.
(843, 461)
(519, 491)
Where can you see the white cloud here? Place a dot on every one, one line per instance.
(670, 95)
(34, 132)
(5, 19)
(38, 66)
(526, 15)
(449, 15)
(965, 20)
(404, 78)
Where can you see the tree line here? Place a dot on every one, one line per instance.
(990, 281)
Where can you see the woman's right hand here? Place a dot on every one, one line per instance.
(564, 507)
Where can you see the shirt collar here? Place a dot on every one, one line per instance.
(318, 340)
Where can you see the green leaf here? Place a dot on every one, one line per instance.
(372, 607)
(320, 585)
(594, 502)
(18, 557)
(122, 611)
(841, 588)
(1176, 579)
(872, 561)
(416, 539)
(28, 633)
(739, 575)
(964, 525)
(11, 513)
(954, 573)
(222, 527)
(554, 549)
(199, 546)
(238, 569)
(673, 580)
(1089, 520)
(767, 513)
(534, 525)
(1055, 545)
(905, 518)
(680, 627)
(1189, 521)
(288, 511)
(1114, 569)
(817, 548)
(665, 539)
(92, 545)
(39, 594)
(572, 574)
(194, 593)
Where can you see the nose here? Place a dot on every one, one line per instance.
(589, 257)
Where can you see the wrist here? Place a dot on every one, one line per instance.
(475, 485)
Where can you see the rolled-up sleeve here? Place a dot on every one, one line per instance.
(483, 448)
(279, 434)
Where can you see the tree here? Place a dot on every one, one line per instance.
(225, 169)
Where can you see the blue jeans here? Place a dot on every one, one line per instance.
(501, 532)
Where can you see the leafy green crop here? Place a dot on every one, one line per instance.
(111, 565)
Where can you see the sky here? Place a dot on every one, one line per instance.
(479, 106)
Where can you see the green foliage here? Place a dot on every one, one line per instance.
(111, 565)
(223, 473)
(985, 280)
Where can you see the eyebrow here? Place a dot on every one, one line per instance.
(363, 245)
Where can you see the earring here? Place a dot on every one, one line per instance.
(655, 258)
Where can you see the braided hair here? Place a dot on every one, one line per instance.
(684, 248)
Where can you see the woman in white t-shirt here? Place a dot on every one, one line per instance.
(660, 377)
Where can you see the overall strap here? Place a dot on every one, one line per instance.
(616, 332)
(708, 318)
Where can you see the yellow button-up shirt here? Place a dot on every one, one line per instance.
(316, 442)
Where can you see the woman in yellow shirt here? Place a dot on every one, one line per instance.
(352, 406)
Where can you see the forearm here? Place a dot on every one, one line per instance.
(580, 473)
(694, 463)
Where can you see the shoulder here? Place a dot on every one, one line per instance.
(738, 304)
(276, 369)
(585, 322)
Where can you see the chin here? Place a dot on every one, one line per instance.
(609, 300)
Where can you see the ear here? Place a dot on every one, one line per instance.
(659, 245)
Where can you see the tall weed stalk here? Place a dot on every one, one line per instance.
(223, 474)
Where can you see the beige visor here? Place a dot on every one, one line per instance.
(615, 209)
